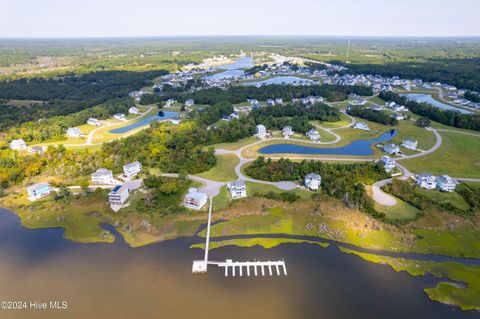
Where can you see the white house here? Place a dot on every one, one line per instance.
(119, 116)
(133, 110)
(361, 126)
(237, 189)
(175, 120)
(270, 102)
(313, 181)
(94, 122)
(118, 195)
(261, 131)
(388, 163)
(287, 131)
(195, 200)
(358, 102)
(38, 191)
(410, 143)
(102, 176)
(189, 103)
(313, 135)
(445, 183)
(278, 101)
(74, 132)
(426, 181)
(18, 145)
(391, 149)
(132, 169)
(170, 103)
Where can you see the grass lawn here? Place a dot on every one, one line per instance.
(222, 200)
(376, 100)
(467, 298)
(459, 156)
(344, 120)
(224, 171)
(266, 243)
(401, 211)
(236, 145)
(426, 139)
(442, 197)
(262, 189)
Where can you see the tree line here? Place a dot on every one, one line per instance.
(342, 181)
(372, 115)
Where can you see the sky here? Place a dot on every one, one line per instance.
(122, 18)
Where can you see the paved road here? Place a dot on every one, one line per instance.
(380, 197)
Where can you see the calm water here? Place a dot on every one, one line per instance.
(280, 80)
(356, 148)
(115, 281)
(233, 70)
(427, 98)
(145, 121)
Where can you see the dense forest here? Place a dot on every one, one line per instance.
(462, 73)
(67, 94)
(447, 117)
(372, 115)
(472, 96)
(343, 181)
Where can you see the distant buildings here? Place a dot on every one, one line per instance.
(287, 131)
(261, 131)
(237, 189)
(426, 181)
(313, 135)
(445, 183)
(388, 163)
(132, 169)
(391, 149)
(313, 181)
(18, 145)
(94, 122)
(410, 143)
(118, 195)
(119, 116)
(361, 126)
(74, 132)
(194, 199)
(278, 101)
(38, 191)
(170, 103)
(102, 176)
(270, 102)
(133, 110)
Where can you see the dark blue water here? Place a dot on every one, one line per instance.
(145, 121)
(155, 281)
(356, 148)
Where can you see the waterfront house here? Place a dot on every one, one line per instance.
(313, 181)
(261, 131)
(361, 126)
(102, 176)
(391, 149)
(119, 116)
(18, 145)
(132, 169)
(189, 103)
(426, 180)
(313, 135)
(287, 131)
(388, 163)
(133, 110)
(74, 132)
(237, 189)
(118, 195)
(410, 143)
(195, 199)
(38, 191)
(94, 122)
(175, 120)
(445, 183)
